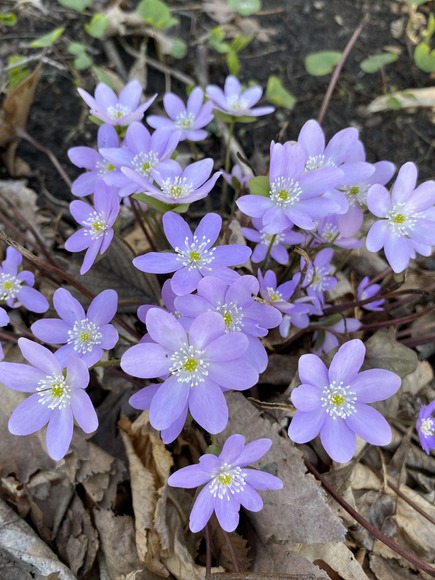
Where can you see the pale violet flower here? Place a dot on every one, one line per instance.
(426, 427)
(234, 101)
(228, 483)
(335, 402)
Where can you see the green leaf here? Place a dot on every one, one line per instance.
(240, 42)
(226, 118)
(259, 185)
(97, 26)
(322, 63)
(278, 95)
(156, 14)
(178, 48)
(233, 62)
(82, 60)
(245, 7)
(160, 205)
(47, 39)
(393, 103)
(8, 19)
(416, 2)
(78, 5)
(18, 73)
(374, 63)
(216, 40)
(424, 57)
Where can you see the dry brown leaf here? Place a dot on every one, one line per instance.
(408, 99)
(19, 543)
(15, 111)
(297, 513)
(337, 556)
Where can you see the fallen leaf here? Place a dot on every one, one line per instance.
(409, 98)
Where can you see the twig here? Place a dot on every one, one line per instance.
(337, 70)
(400, 550)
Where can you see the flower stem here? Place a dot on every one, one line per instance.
(227, 165)
(269, 249)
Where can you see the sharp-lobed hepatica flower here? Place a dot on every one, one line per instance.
(295, 196)
(16, 287)
(141, 152)
(194, 255)
(201, 364)
(234, 101)
(317, 278)
(229, 484)
(114, 110)
(58, 398)
(426, 427)
(407, 218)
(97, 233)
(366, 290)
(240, 311)
(187, 120)
(93, 161)
(335, 402)
(177, 185)
(264, 241)
(85, 335)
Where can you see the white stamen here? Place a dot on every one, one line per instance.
(184, 120)
(338, 400)
(232, 315)
(227, 480)
(84, 336)
(54, 391)
(143, 162)
(177, 187)
(400, 223)
(188, 365)
(195, 254)
(285, 192)
(96, 225)
(9, 286)
(118, 111)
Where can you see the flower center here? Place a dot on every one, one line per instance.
(9, 286)
(355, 194)
(176, 188)
(318, 161)
(195, 254)
(274, 295)
(338, 400)
(96, 225)
(268, 239)
(236, 104)
(227, 480)
(118, 111)
(318, 282)
(144, 162)
(330, 233)
(104, 167)
(184, 120)
(54, 391)
(232, 315)
(401, 223)
(427, 427)
(188, 365)
(84, 336)
(285, 192)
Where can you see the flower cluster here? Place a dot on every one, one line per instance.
(208, 337)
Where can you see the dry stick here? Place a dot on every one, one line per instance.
(136, 210)
(41, 265)
(337, 70)
(403, 552)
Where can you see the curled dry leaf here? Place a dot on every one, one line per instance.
(160, 542)
(407, 99)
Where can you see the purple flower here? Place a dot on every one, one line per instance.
(140, 153)
(295, 195)
(295, 312)
(112, 110)
(330, 230)
(229, 484)
(59, 396)
(264, 240)
(97, 232)
(240, 311)
(16, 287)
(237, 179)
(92, 160)
(326, 338)
(236, 102)
(334, 402)
(201, 364)
(407, 223)
(426, 427)
(187, 121)
(366, 290)
(317, 278)
(4, 320)
(194, 256)
(85, 335)
(177, 185)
